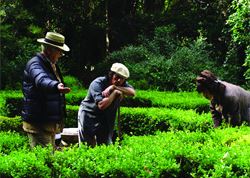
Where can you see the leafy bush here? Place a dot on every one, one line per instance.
(181, 100)
(231, 66)
(11, 124)
(14, 64)
(164, 41)
(72, 82)
(146, 121)
(239, 23)
(187, 62)
(12, 141)
(75, 96)
(115, 161)
(72, 116)
(13, 105)
(4, 94)
(26, 163)
(173, 154)
(12, 100)
(164, 62)
(247, 63)
(221, 152)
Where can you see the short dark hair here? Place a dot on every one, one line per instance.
(208, 81)
(110, 74)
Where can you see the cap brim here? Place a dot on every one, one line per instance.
(64, 47)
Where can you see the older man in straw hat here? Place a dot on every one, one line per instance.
(43, 89)
(96, 115)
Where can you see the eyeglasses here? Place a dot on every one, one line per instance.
(116, 77)
(61, 52)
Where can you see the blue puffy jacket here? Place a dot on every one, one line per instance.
(42, 101)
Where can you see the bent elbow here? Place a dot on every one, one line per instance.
(132, 93)
(101, 106)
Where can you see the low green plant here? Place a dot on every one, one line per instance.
(72, 82)
(10, 124)
(12, 141)
(27, 163)
(146, 121)
(184, 100)
(221, 152)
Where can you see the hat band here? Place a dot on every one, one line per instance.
(53, 42)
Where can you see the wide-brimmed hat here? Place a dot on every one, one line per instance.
(120, 69)
(54, 39)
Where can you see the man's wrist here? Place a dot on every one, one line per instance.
(112, 88)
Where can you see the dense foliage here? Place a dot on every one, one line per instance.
(240, 25)
(164, 63)
(217, 153)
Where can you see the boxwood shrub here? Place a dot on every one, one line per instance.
(10, 124)
(141, 121)
(222, 152)
(184, 100)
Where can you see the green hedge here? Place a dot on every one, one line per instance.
(8, 94)
(183, 100)
(217, 153)
(190, 148)
(137, 121)
(141, 121)
(180, 100)
(12, 141)
(10, 124)
(27, 163)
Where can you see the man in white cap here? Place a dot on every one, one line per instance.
(97, 112)
(43, 89)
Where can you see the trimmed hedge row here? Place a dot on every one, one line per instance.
(11, 124)
(178, 153)
(8, 94)
(179, 100)
(183, 100)
(217, 153)
(12, 103)
(136, 121)
(12, 141)
(145, 121)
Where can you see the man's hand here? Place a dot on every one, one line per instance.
(63, 89)
(105, 102)
(108, 91)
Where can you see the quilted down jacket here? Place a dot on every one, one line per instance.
(42, 101)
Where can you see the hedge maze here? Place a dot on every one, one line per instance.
(165, 134)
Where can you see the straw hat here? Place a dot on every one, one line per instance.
(54, 39)
(120, 69)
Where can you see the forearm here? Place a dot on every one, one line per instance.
(216, 116)
(106, 102)
(126, 90)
